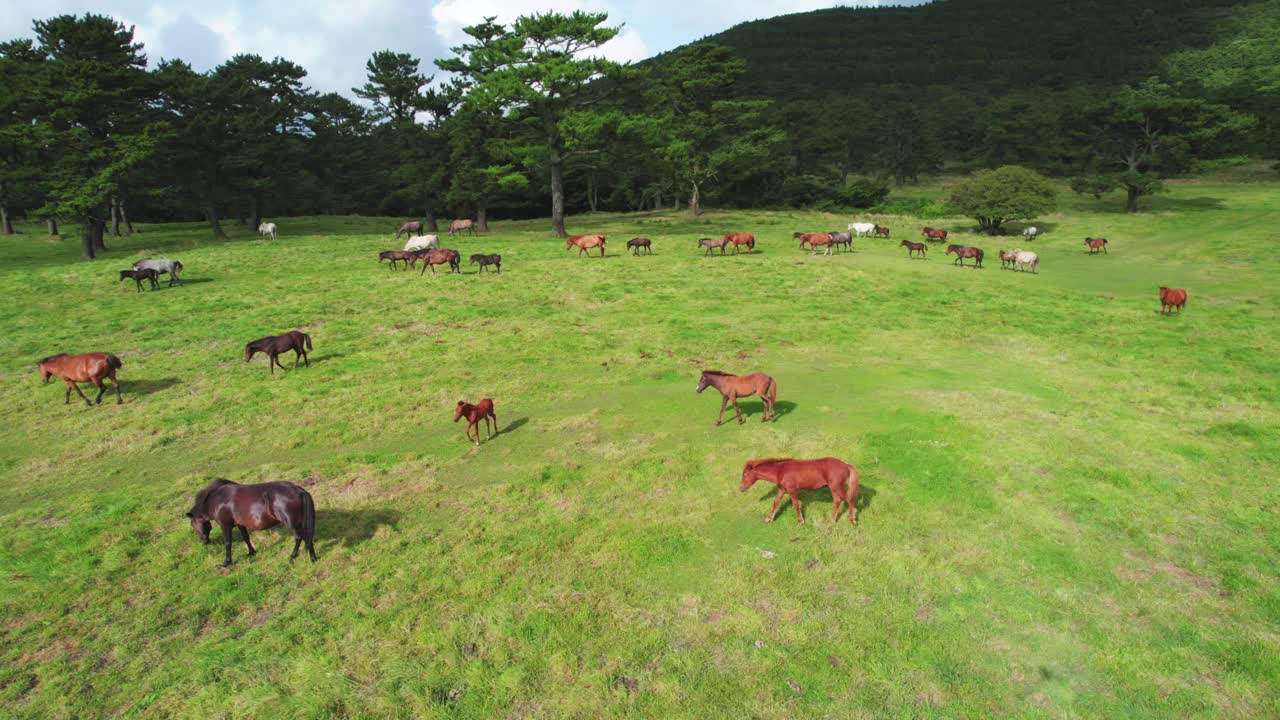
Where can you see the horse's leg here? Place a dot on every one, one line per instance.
(776, 502)
(724, 401)
(272, 363)
(795, 500)
(102, 389)
(227, 527)
(737, 409)
(837, 497)
(78, 392)
(244, 532)
(116, 381)
(494, 418)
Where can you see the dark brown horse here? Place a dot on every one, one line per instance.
(740, 239)
(1096, 244)
(932, 234)
(843, 237)
(482, 410)
(881, 231)
(732, 387)
(297, 341)
(413, 227)
(254, 507)
(964, 251)
(397, 255)
(139, 275)
(1171, 298)
(638, 244)
(89, 367)
(432, 258)
(713, 243)
(792, 476)
(585, 243)
(914, 247)
(487, 260)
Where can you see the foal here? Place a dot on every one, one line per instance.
(732, 387)
(140, 275)
(487, 260)
(397, 255)
(914, 247)
(273, 345)
(637, 244)
(482, 410)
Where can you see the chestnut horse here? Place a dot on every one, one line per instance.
(254, 507)
(636, 244)
(1170, 298)
(881, 231)
(585, 243)
(732, 387)
(964, 251)
(713, 243)
(740, 239)
(931, 234)
(791, 476)
(1096, 244)
(432, 258)
(801, 236)
(816, 240)
(89, 367)
(297, 341)
(914, 247)
(482, 410)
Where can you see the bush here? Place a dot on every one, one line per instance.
(1095, 185)
(994, 197)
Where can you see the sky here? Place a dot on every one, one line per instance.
(333, 39)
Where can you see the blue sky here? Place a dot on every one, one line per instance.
(332, 39)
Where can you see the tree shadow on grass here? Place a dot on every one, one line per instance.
(352, 527)
(141, 388)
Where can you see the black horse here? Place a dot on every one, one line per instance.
(254, 507)
(273, 345)
(139, 275)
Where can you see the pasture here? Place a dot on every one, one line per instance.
(1069, 503)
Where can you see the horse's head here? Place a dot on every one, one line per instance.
(124, 274)
(749, 475)
(201, 526)
(703, 382)
(568, 243)
(462, 408)
(249, 352)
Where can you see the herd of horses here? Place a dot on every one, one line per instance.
(258, 507)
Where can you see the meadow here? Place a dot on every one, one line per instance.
(1069, 507)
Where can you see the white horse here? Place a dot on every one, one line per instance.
(862, 229)
(422, 242)
(161, 266)
(1026, 259)
(1031, 233)
(267, 229)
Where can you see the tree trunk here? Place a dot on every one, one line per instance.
(124, 218)
(99, 230)
(53, 228)
(432, 225)
(695, 201)
(86, 239)
(557, 195)
(482, 217)
(115, 217)
(211, 214)
(592, 199)
(1131, 204)
(255, 212)
(675, 203)
(6, 222)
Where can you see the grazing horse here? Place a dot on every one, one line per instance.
(254, 507)
(410, 228)
(732, 387)
(269, 229)
(397, 255)
(713, 243)
(1096, 244)
(89, 367)
(914, 247)
(1023, 259)
(422, 242)
(482, 410)
(1031, 233)
(295, 340)
(964, 251)
(932, 234)
(816, 240)
(461, 226)
(791, 476)
(863, 229)
(740, 239)
(442, 256)
(140, 275)
(881, 231)
(487, 260)
(585, 243)
(841, 238)
(172, 267)
(1170, 298)
(636, 244)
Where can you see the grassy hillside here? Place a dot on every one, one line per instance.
(1069, 502)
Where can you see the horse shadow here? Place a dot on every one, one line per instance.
(346, 528)
(821, 496)
(514, 425)
(754, 408)
(323, 359)
(191, 281)
(140, 388)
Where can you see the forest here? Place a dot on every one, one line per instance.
(827, 109)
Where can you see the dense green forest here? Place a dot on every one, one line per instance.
(821, 109)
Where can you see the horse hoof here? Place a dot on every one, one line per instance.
(768, 520)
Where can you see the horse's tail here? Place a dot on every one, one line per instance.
(308, 518)
(307, 338)
(113, 362)
(851, 489)
(772, 390)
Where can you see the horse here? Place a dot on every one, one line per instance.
(397, 255)
(1096, 244)
(254, 507)
(932, 234)
(409, 228)
(862, 229)
(713, 243)
(1031, 233)
(422, 242)
(487, 260)
(585, 243)
(88, 367)
(881, 231)
(140, 275)
(791, 476)
(817, 240)
(295, 340)
(964, 251)
(482, 410)
(914, 247)
(841, 238)
(172, 267)
(1023, 259)
(269, 229)
(637, 244)
(1006, 259)
(432, 258)
(732, 387)
(461, 226)
(802, 237)
(739, 239)
(1169, 298)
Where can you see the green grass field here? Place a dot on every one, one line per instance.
(1070, 503)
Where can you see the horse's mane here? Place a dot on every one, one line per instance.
(47, 359)
(203, 495)
(715, 372)
(752, 464)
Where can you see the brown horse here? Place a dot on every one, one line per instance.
(254, 507)
(413, 227)
(397, 255)
(732, 387)
(964, 251)
(1171, 298)
(139, 275)
(740, 239)
(881, 231)
(713, 243)
(461, 226)
(791, 476)
(932, 234)
(482, 410)
(1006, 259)
(432, 258)
(914, 247)
(295, 340)
(817, 240)
(1096, 244)
(638, 244)
(487, 260)
(89, 367)
(585, 243)
(802, 237)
